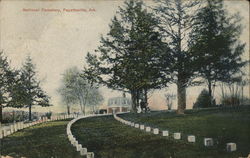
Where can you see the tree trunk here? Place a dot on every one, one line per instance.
(134, 100)
(181, 93)
(137, 98)
(146, 96)
(84, 109)
(210, 92)
(68, 109)
(1, 114)
(80, 103)
(30, 113)
(242, 95)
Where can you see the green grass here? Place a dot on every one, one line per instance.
(224, 126)
(47, 140)
(110, 139)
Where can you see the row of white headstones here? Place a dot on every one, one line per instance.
(83, 150)
(14, 127)
(177, 135)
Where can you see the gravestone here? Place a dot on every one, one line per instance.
(156, 131)
(5, 132)
(148, 129)
(78, 147)
(83, 151)
(75, 143)
(8, 132)
(208, 142)
(137, 125)
(165, 133)
(1, 133)
(21, 123)
(231, 147)
(177, 135)
(132, 124)
(90, 155)
(15, 127)
(12, 128)
(191, 138)
(141, 127)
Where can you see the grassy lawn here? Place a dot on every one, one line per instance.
(224, 126)
(47, 140)
(110, 139)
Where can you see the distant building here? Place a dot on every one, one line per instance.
(116, 104)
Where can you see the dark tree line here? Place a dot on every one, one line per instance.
(20, 88)
(175, 42)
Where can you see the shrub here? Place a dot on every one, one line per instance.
(204, 100)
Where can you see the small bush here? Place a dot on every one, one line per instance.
(204, 100)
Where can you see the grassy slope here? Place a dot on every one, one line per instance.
(109, 138)
(45, 140)
(224, 126)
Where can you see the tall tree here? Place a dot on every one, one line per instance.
(215, 44)
(176, 18)
(76, 87)
(10, 91)
(5, 74)
(67, 96)
(32, 92)
(132, 55)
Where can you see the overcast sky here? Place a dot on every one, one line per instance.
(59, 40)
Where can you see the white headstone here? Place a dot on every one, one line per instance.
(156, 131)
(78, 147)
(5, 132)
(165, 133)
(141, 127)
(177, 135)
(208, 142)
(21, 125)
(12, 128)
(75, 143)
(90, 155)
(8, 132)
(191, 138)
(148, 129)
(231, 147)
(15, 127)
(139, 110)
(83, 151)
(1, 133)
(132, 124)
(137, 125)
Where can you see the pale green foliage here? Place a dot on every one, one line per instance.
(76, 88)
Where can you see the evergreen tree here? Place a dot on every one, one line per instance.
(176, 20)
(132, 57)
(203, 100)
(5, 72)
(31, 91)
(215, 44)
